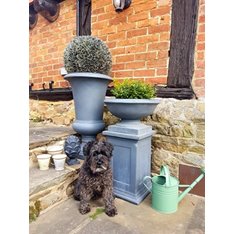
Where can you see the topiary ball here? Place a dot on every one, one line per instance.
(87, 54)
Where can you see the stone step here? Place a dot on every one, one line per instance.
(50, 187)
(42, 135)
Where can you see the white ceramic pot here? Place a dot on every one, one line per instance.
(43, 161)
(59, 161)
(55, 149)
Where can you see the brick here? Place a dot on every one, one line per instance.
(99, 4)
(118, 20)
(163, 54)
(143, 73)
(118, 66)
(200, 46)
(200, 55)
(157, 63)
(199, 82)
(100, 25)
(53, 49)
(200, 64)
(105, 16)
(124, 58)
(98, 11)
(116, 51)
(162, 71)
(125, 74)
(199, 73)
(136, 49)
(135, 65)
(165, 36)
(125, 27)
(147, 39)
(159, 28)
(63, 84)
(137, 32)
(145, 56)
(201, 28)
(126, 42)
(109, 30)
(138, 17)
(201, 37)
(163, 2)
(159, 46)
(160, 11)
(147, 23)
(53, 72)
(48, 67)
(111, 44)
(201, 19)
(117, 36)
(165, 19)
(156, 80)
(146, 6)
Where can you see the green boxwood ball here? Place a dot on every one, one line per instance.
(87, 54)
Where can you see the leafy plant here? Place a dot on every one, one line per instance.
(133, 89)
(87, 54)
(97, 212)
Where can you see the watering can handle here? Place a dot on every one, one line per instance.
(164, 171)
(145, 178)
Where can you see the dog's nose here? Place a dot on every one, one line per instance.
(99, 162)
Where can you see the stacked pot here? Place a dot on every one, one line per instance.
(56, 153)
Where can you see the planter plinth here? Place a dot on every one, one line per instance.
(131, 158)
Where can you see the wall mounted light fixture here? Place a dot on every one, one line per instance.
(120, 5)
(47, 8)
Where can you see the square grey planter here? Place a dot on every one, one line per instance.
(131, 159)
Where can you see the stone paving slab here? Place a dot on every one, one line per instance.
(40, 135)
(138, 219)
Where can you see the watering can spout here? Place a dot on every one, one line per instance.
(191, 186)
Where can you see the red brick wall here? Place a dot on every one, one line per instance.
(199, 60)
(138, 39)
(47, 42)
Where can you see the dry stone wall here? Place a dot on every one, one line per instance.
(179, 129)
(179, 134)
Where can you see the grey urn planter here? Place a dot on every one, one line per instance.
(131, 109)
(132, 146)
(89, 90)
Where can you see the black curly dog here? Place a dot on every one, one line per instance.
(95, 177)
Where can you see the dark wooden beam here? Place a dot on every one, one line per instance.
(83, 19)
(182, 45)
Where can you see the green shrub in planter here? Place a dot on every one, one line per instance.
(133, 89)
(87, 54)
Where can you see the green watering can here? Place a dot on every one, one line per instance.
(165, 190)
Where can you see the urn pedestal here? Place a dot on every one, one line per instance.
(131, 159)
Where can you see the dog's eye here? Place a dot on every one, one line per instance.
(95, 154)
(103, 152)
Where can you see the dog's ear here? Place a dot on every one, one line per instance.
(87, 147)
(109, 147)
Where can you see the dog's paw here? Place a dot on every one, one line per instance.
(111, 212)
(84, 210)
